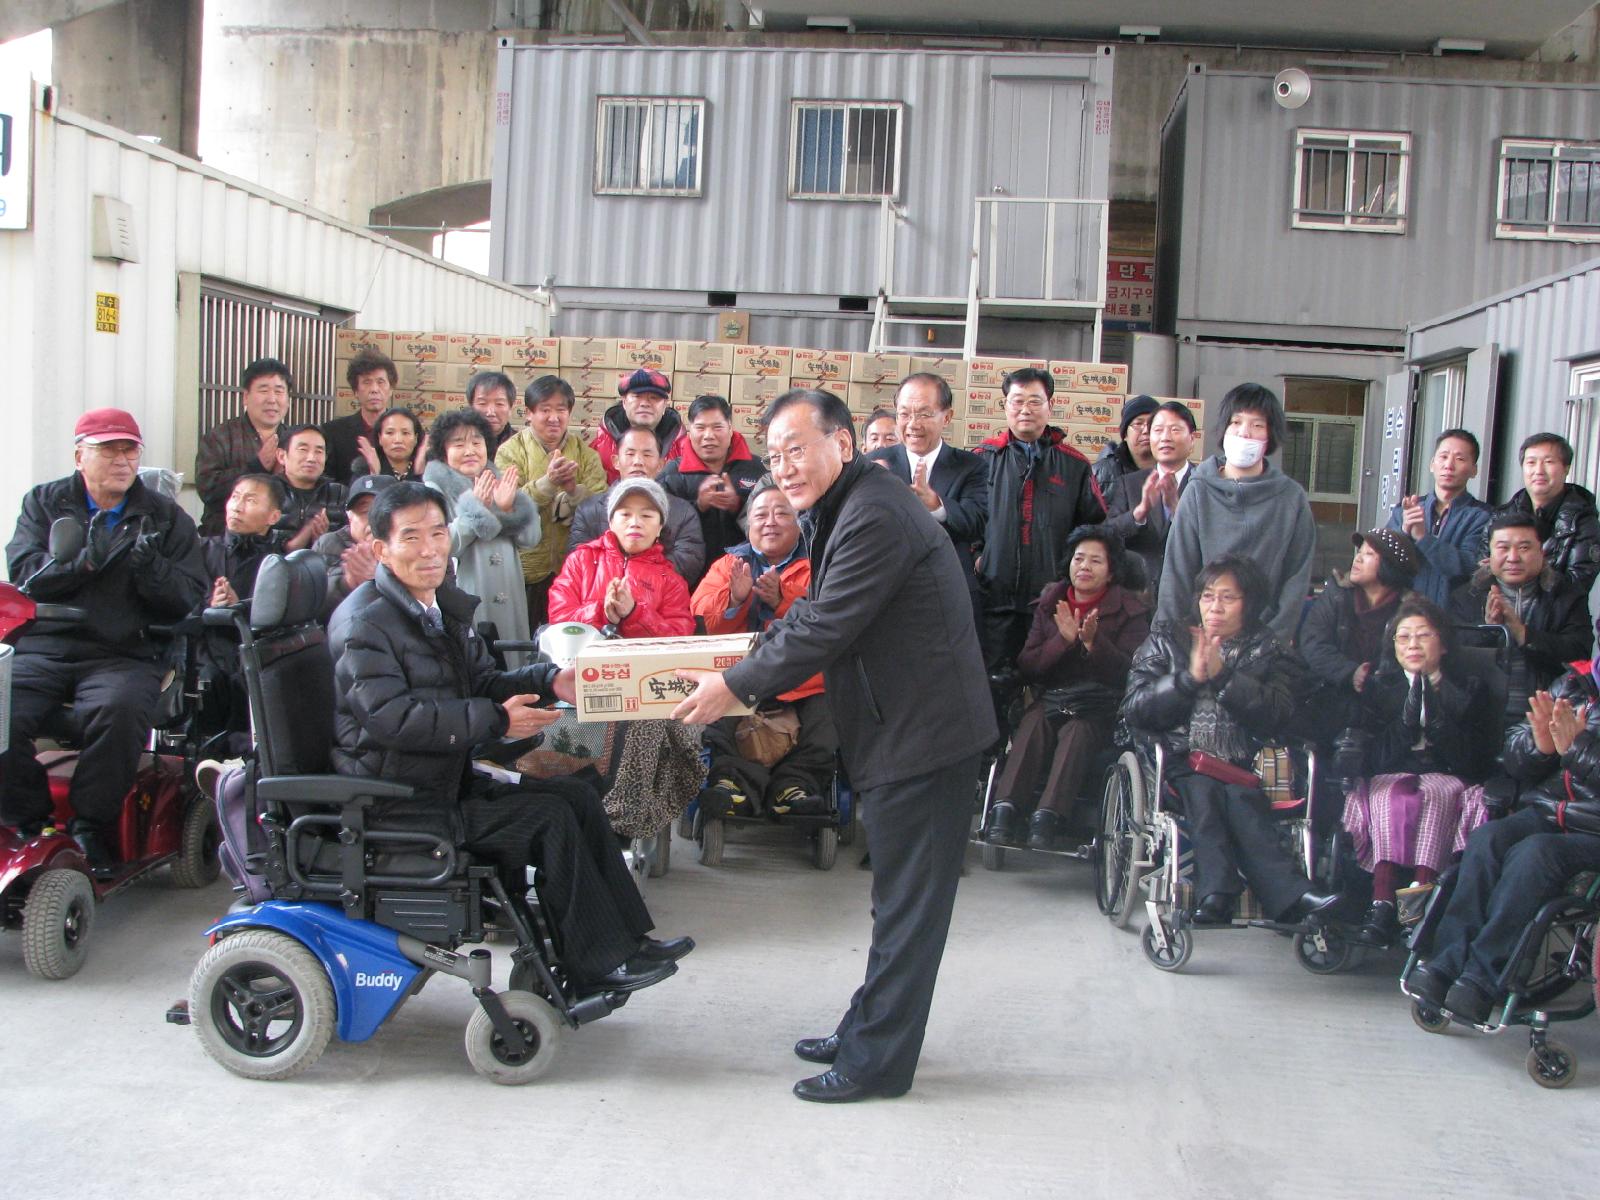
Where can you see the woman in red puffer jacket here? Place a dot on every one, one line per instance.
(623, 578)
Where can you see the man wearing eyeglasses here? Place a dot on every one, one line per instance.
(884, 620)
(139, 565)
(952, 484)
(1040, 490)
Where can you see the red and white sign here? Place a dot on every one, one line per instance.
(1130, 291)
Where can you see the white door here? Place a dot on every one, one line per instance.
(1036, 143)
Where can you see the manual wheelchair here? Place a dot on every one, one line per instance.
(341, 924)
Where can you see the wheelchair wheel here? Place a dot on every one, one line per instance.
(994, 857)
(1324, 951)
(1550, 970)
(1180, 945)
(56, 920)
(262, 1005)
(712, 833)
(660, 853)
(540, 1028)
(1551, 1064)
(198, 864)
(1116, 877)
(686, 826)
(1429, 1020)
(824, 848)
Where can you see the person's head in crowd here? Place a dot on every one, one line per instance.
(636, 510)
(372, 377)
(1171, 435)
(364, 493)
(644, 397)
(1093, 556)
(303, 455)
(460, 439)
(1028, 392)
(1134, 429)
(1386, 560)
(491, 393)
(1516, 555)
(879, 430)
(810, 438)
(267, 384)
(638, 455)
(710, 430)
(254, 505)
(1252, 426)
(411, 537)
(1421, 635)
(1546, 460)
(107, 445)
(399, 434)
(549, 400)
(1230, 596)
(1454, 463)
(774, 525)
(922, 410)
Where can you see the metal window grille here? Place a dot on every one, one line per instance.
(649, 147)
(235, 331)
(1583, 409)
(1549, 189)
(1349, 180)
(1323, 455)
(844, 150)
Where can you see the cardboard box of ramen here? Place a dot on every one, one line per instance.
(419, 347)
(578, 353)
(634, 353)
(704, 358)
(763, 360)
(951, 368)
(474, 350)
(827, 366)
(992, 372)
(350, 342)
(1086, 408)
(1105, 378)
(1089, 440)
(635, 679)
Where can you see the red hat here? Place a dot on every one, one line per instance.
(646, 380)
(106, 425)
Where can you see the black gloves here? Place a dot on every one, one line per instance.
(146, 551)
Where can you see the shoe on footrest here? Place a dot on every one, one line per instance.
(799, 802)
(670, 950)
(1044, 830)
(636, 973)
(1002, 828)
(724, 799)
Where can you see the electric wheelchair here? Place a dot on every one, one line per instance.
(341, 924)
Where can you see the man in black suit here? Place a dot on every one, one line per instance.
(1140, 505)
(952, 484)
(883, 620)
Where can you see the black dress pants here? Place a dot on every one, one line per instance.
(1511, 868)
(112, 700)
(916, 835)
(1232, 833)
(559, 827)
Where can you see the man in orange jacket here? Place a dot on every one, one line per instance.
(745, 589)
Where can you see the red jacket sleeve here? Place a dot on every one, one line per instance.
(570, 594)
(711, 600)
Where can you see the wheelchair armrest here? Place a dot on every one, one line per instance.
(329, 789)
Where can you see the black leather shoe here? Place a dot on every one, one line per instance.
(1381, 926)
(1215, 909)
(818, 1050)
(1044, 830)
(1309, 905)
(833, 1088)
(1469, 1002)
(1003, 822)
(93, 844)
(670, 950)
(1429, 986)
(638, 972)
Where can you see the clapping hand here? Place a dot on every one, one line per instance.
(1088, 627)
(739, 582)
(268, 454)
(420, 458)
(1066, 623)
(368, 455)
(919, 484)
(1540, 709)
(1566, 723)
(769, 588)
(1205, 655)
(505, 491)
(1497, 610)
(562, 472)
(360, 564)
(1411, 519)
(222, 593)
(619, 601)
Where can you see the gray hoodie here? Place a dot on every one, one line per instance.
(1266, 518)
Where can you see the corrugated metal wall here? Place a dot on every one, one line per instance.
(744, 234)
(187, 221)
(1244, 265)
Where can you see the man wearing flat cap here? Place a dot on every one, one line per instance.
(139, 565)
(645, 404)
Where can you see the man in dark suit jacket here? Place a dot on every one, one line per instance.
(883, 620)
(1140, 504)
(952, 484)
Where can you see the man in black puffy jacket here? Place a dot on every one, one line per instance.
(140, 565)
(417, 691)
(1563, 512)
(1514, 865)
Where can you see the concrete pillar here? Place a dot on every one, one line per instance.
(135, 65)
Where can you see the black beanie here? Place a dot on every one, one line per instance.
(1136, 406)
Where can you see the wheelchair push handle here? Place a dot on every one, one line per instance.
(69, 613)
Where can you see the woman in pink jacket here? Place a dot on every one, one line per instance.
(623, 578)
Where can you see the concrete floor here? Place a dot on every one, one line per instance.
(1058, 1062)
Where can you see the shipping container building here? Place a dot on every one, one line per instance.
(846, 199)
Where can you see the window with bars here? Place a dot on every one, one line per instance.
(649, 146)
(1323, 455)
(844, 150)
(1350, 180)
(1583, 409)
(1549, 189)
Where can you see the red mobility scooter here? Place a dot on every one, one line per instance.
(47, 891)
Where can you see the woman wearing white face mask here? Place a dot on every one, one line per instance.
(1239, 503)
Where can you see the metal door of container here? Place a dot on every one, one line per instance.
(235, 330)
(1036, 143)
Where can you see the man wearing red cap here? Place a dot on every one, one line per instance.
(645, 397)
(139, 565)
